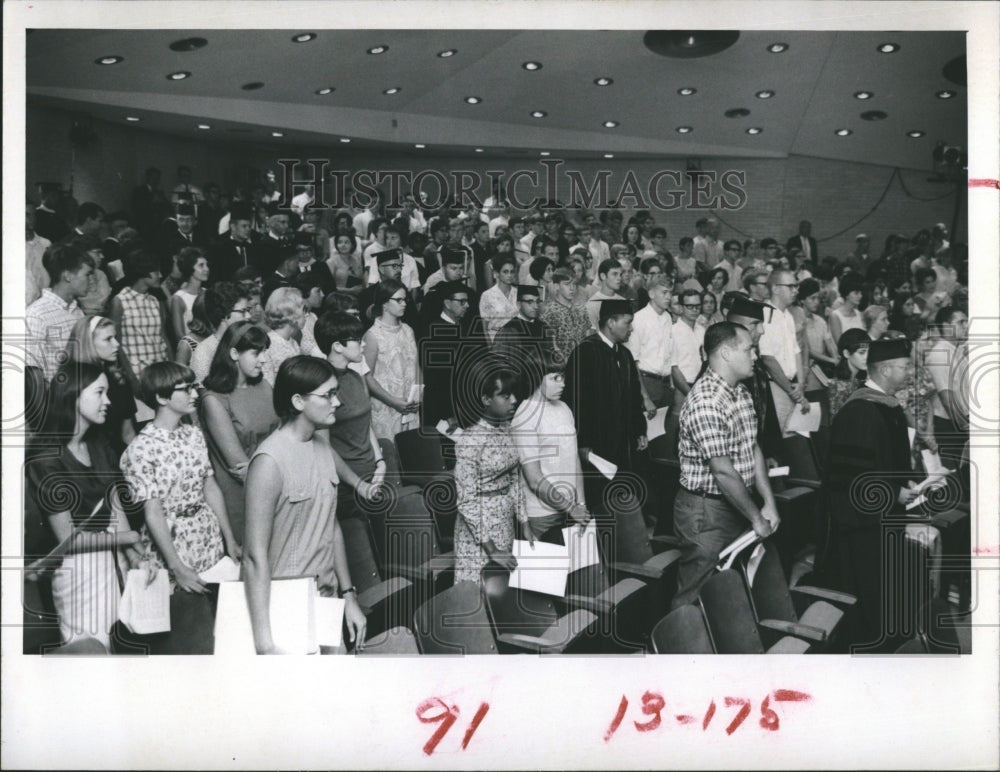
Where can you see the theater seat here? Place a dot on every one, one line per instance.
(683, 631)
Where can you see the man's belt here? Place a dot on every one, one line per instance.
(703, 494)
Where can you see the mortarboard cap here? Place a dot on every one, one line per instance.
(883, 350)
(744, 306)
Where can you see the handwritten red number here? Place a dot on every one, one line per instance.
(617, 720)
(476, 721)
(708, 716)
(447, 717)
(652, 704)
(768, 718)
(741, 716)
(788, 695)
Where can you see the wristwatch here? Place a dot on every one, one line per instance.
(352, 588)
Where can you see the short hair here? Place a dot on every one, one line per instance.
(140, 265)
(751, 277)
(539, 362)
(246, 273)
(539, 266)
(808, 287)
(701, 222)
(690, 292)
(732, 242)
(384, 290)
(851, 340)
(341, 301)
(219, 301)
(449, 289)
(648, 264)
(721, 334)
(608, 312)
(244, 336)
(347, 235)
(945, 315)
(658, 231)
(606, 266)
(187, 258)
(870, 314)
(336, 327)
(60, 258)
(660, 281)
(159, 380)
(685, 240)
(723, 271)
(500, 260)
(299, 374)
(437, 224)
(68, 383)
(765, 243)
(89, 211)
(283, 304)
(851, 282)
(922, 274)
(562, 274)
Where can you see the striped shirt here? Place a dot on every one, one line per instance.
(142, 330)
(717, 420)
(48, 322)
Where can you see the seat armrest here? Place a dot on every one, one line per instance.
(609, 600)
(795, 629)
(789, 495)
(833, 596)
(802, 482)
(663, 560)
(373, 596)
(665, 539)
(554, 640)
(636, 570)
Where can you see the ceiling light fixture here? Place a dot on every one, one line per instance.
(479, 150)
(684, 129)
(532, 66)
(689, 44)
(325, 91)
(345, 139)
(538, 113)
(843, 132)
(863, 95)
(277, 134)
(204, 126)
(445, 54)
(252, 86)
(777, 48)
(915, 134)
(391, 91)
(687, 91)
(609, 155)
(376, 50)
(188, 44)
(754, 130)
(420, 146)
(888, 48)
(303, 37)
(945, 94)
(765, 94)
(131, 118)
(603, 81)
(473, 100)
(610, 124)
(545, 152)
(179, 75)
(106, 60)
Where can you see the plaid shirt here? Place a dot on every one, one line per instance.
(142, 330)
(716, 420)
(48, 322)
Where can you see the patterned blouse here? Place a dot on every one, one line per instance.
(279, 350)
(569, 326)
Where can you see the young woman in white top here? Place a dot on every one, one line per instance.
(193, 267)
(846, 316)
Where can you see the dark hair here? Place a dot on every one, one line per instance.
(539, 266)
(922, 275)
(945, 315)
(89, 211)
(685, 240)
(851, 282)
(451, 288)
(219, 301)
(721, 334)
(690, 292)
(222, 374)
(199, 320)
(298, 375)
(348, 235)
(500, 260)
(384, 291)
(375, 224)
(336, 326)
(752, 276)
(723, 271)
(538, 363)
(246, 273)
(159, 380)
(606, 265)
(67, 384)
(186, 260)
(140, 265)
(606, 314)
(340, 301)
(808, 287)
(62, 257)
(731, 242)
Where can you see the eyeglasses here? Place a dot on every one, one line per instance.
(692, 305)
(329, 396)
(186, 387)
(244, 311)
(790, 286)
(460, 301)
(391, 265)
(401, 299)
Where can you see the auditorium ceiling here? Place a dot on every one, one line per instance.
(878, 97)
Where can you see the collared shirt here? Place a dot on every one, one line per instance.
(717, 420)
(946, 364)
(600, 251)
(874, 386)
(142, 330)
(48, 322)
(735, 283)
(37, 276)
(496, 222)
(780, 341)
(707, 250)
(687, 343)
(652, 341)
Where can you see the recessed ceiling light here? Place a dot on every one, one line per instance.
(188, 44)
(105, 60)
(863, 95)
(610, 124)
(479, 150)
(131, 118)
(345, 139)
(754, 130)
(915, 134)
(545, 152)
(420, 146)
(609, 155)
(179, 75)
(532, 66)
(737, 112)
(843, 132)
(888, 48)
(538, 113)
(375, 50)
(391, 91)
(684, 129)
(303, 37)
(277, 134)
(473, 100)
(325, 91)
(765, 94)
(446, 53)
(945, 94)
(778, 48)
(687, 91)
(252, 86)
(874, 115)
(204, 126)
(603, 81)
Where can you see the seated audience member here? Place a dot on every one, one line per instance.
(285, 314)
(98, 288)
(49, 320)
(237, 413)
(89, 525)
(194, 273)
(487, 477)
(291, 523)
(391, 353)
(93, 342)
(284, 275)
(876, 321)
(225, 303)
(141, 319)
(498, 304)
(720, 462)
(846, 316)
(186, 526)
(850, 373)
(198, 330)
(710, 313)
(929, 300)
(688, 336)
(545, 437)
(345, 263)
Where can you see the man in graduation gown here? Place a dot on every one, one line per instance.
(389, 264)
(602, 390)
(524, 338)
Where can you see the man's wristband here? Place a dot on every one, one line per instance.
(352, 588)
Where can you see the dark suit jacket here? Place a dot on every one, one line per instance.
(795, 243)
(440, 353)
(270, 252)
(225, 258)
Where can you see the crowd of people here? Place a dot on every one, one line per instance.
(224, 373)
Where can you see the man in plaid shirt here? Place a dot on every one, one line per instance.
(720, 461)
(49, 320)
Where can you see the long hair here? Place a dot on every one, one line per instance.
(223, 373)
(80, 347)
(67, 384)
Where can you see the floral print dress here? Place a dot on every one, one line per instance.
(396, 371)
(490, 497)
(172, 467)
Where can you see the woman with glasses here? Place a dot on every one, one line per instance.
(851, 371)
(292, 484)
(237, 412)
(390, 349)
(285, 313)
(226, 303)
(187, 528)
